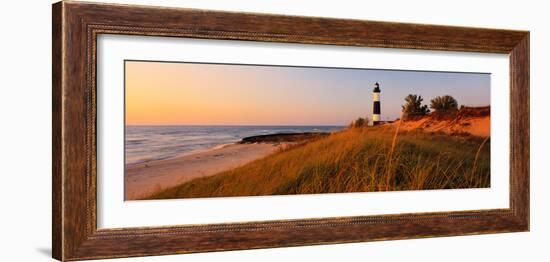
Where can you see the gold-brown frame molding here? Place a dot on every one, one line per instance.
(75, 28)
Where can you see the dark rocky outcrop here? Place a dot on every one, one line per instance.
(283, 137)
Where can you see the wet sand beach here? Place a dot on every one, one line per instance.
(144, 179)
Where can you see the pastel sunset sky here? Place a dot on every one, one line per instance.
(161, 93)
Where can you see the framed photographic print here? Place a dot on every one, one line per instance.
(182, 130)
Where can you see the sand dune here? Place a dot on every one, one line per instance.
(473, 121)
(145, 179)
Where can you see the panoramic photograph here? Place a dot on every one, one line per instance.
(200, 130)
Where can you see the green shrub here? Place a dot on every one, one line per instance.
(444, 103)
(413, 106)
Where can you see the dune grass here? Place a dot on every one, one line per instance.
(354, 160)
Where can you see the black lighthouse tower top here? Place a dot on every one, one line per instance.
(376, 88)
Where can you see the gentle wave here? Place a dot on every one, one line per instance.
(148, 143)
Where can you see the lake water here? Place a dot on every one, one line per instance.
(146, 143)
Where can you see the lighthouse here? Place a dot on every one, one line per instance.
(376, 104)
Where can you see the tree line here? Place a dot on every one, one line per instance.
(413, 106)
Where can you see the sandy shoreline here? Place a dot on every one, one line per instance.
(144, 179)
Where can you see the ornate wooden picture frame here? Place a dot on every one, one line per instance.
(76, 26)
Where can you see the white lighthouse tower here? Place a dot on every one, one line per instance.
(376, 104)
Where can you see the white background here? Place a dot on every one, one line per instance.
(25, 147)
(114, 212)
